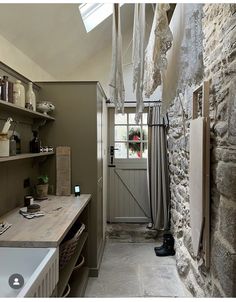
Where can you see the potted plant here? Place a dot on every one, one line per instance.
(42, 187)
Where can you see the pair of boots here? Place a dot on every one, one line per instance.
(167, 248)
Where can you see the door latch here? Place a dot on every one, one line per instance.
(112, 152)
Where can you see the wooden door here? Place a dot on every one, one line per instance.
(127, 193)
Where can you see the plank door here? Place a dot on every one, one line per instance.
(127, 183)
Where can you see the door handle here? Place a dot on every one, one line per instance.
(112, 152)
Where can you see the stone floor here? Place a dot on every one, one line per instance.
(131, 269)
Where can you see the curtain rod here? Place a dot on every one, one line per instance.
(133, 102)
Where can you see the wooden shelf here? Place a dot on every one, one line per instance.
(78, 282)
(65, 273)
(24, 156)
(9, 107)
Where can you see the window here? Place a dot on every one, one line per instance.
(95, 13)
(131, 140)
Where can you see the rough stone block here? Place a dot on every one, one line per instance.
(227, 225)
(225, 154)
(226, 179)
(232, 114)
(193, 287)
(216, 293)
(199, 279)
(188, 241)
(233, 8)
(224, 266)
(221, 128)
(182, 261)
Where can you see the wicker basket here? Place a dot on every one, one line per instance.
(67, 291)
(67, 248)
(80, 264)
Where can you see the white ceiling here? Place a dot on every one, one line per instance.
(53, 35)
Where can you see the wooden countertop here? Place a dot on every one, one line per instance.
(46, 231)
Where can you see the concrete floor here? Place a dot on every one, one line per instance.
(133, 270)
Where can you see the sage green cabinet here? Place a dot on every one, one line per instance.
(78, 123)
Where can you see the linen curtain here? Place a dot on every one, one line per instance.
(117, 90)
(138, 55)
(158, 176)
(159, 43)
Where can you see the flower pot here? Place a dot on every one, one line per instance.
(42, 191)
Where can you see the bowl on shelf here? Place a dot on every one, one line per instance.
(45, 107)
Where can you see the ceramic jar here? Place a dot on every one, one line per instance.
(45, 107)
(30, 102)
(4, 145)
(19, 94)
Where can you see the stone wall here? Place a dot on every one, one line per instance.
(219, 26)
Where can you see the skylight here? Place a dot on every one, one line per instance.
(95, 13)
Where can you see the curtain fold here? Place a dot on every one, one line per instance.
(159, 43)
(158, 175)
(117, 90)
(138, 56)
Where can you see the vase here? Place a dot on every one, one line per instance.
(19, 94)
(30, 102)
(41, 191)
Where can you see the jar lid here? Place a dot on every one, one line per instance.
(18, 81)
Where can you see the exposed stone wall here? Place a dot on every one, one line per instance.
(219, 25)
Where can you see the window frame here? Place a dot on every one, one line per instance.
(127, 141)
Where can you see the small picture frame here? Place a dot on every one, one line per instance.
(77, 190)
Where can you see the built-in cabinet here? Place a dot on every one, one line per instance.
(79, 122)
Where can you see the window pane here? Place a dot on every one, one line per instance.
(134, 150)
(145, 150)
(132, 119)
(121, 151)
(145, 118)
(134, 133)
(121, 118)
(120, 133)
(145, 133)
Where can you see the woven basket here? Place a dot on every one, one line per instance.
(80, 264)
(67, 291)
(67, 248)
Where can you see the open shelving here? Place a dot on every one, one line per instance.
(25, 156)
(79, 282)
(9, 107)
(65, 273)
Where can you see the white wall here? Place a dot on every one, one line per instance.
(98, 67)
(17, 60)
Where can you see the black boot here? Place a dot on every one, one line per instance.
(165, 236)
(167, 249)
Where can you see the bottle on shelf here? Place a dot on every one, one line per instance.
(12, 145)
(10, 91)
(4, 145)
(35, 143)
(19, 94)
(6, 90)
(5, 83)
(30, 102)
(18, 142)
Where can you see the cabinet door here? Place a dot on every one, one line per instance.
(100, 213)
(99, 136)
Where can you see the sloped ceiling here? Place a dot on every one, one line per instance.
(53, 35)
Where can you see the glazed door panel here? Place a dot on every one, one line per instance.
(127, 193)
